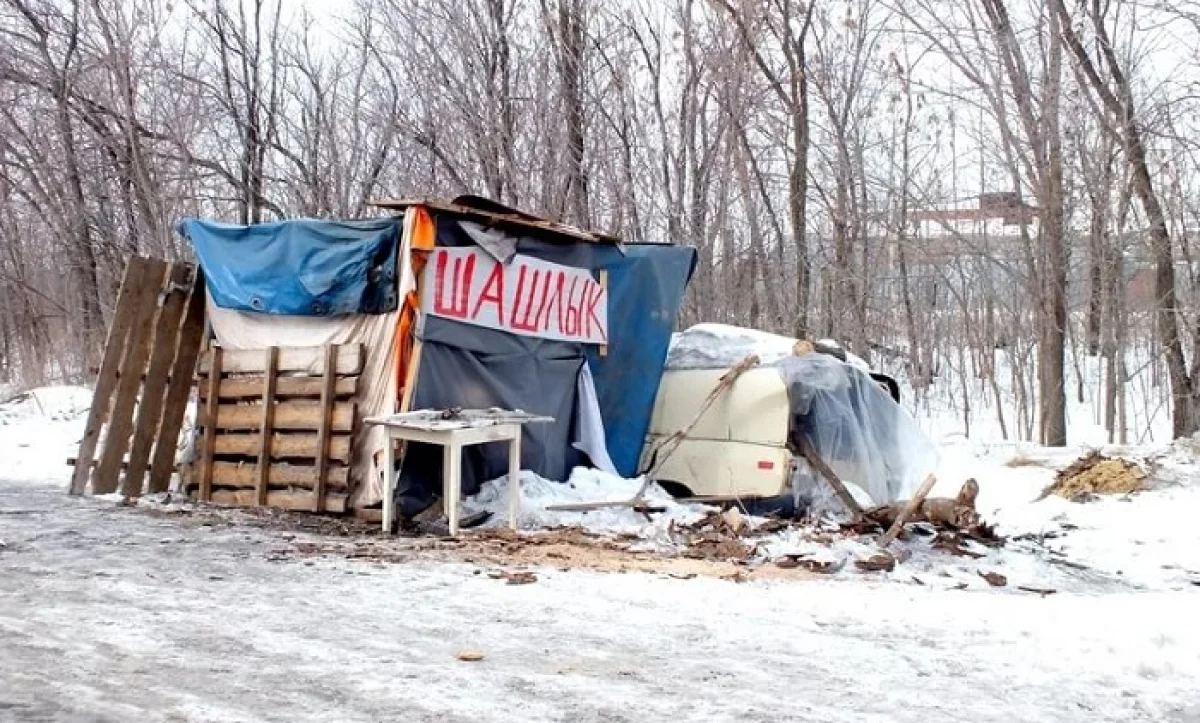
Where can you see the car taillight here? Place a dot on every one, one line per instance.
(766, 464)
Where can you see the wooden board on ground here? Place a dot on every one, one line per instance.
(309, 360)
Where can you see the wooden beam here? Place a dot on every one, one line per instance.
(266, 428)
(283, 499)
(815, 461)
(208, 445)
(289, 416)
(183, 375)
(154, 387)
(309, 360)
(280, 474)
(251, 387)
(913, 505)
(106, 382)
(133, 364)
(603, 351)
(323, 434)
(283, 446)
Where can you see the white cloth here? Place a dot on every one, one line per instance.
(589, 425)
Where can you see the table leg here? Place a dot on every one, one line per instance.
(389, 484)
(452, 482)
(514, 481)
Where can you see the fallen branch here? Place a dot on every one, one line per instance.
(909, 508)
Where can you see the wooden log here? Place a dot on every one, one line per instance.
(310, 360)
(912, 505)
(280, 474)
(133, 363)
(183, 374)
(283, 446)
(289, 416)
(266, 428)
(154, 387)
(208, 444)
(283, 499)
(251, 387)
(323, 434)
(106, 382)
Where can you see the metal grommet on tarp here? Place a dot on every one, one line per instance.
(318, 309)
(256, 303)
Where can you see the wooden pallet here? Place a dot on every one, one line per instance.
(277, 427)
(144, 381)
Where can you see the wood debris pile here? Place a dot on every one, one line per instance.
(1095, 474)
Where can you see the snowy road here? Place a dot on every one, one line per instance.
(112, 614)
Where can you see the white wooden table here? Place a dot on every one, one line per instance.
(453, 430)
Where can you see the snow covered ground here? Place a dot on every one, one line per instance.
(118, 613)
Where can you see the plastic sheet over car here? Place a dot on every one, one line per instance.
(853, 424)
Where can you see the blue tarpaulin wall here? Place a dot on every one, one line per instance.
(300, 268)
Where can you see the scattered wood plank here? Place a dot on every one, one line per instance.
(310, 360)
(154, 387)
(283, 446)
(279, 474)
(289, 416)
(133, 364)
(251, 387)
(815, 461)
(283, 499)
(183, 372)
(266, 428)
(912, 506)
(106, 382)
(327, 399)
(216, 361)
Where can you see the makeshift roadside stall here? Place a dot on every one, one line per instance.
(463, 305)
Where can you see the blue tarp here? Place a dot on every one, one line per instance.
(301, 267)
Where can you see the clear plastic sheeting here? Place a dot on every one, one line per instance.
(852, 423)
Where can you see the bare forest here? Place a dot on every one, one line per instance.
(837, 164)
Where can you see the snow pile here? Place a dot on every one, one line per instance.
(48, 403)
(584, 486)
(719, 346)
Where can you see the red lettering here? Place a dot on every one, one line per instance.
(493, 292)
(573, 310)
(528, 319)
(598, 293)
(460, 288)
(558, 280)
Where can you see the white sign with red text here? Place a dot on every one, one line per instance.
(526, 296)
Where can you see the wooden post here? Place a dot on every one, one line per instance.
(266, 428)
(106, 382)
(183, 373)
(211, 406)
(905, 513)
(328, 392)
(604, 285)
(149, 415)
(133, 365)
(815, 461)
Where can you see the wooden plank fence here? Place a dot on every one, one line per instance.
(277, 427)
(144, 381)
